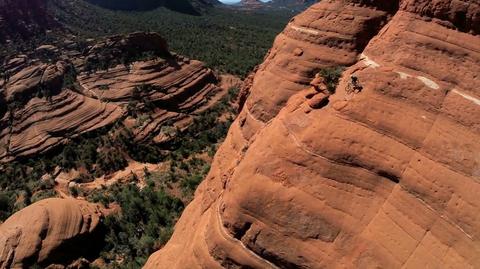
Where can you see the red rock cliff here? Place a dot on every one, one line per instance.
(385, 175)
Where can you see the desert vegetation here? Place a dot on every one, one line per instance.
(144, 224)
(147, 210)
(331, 77)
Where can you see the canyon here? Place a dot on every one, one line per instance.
(94, 109)
(384, 174)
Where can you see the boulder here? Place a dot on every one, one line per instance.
(50, 231)
(38, 77)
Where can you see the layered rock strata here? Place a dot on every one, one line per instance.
(46, 105)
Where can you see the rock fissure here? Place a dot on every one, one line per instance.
(225, 234)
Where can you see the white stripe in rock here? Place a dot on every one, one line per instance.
(468, 97)
(305, 30)
(368, 62)
(429, 83)
(403, 75)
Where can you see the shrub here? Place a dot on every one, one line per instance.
(5, 205)
(74, 191)
(144, 224)
(331, 76)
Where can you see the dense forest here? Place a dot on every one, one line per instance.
(183, 6)
(227, 40)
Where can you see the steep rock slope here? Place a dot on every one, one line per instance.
(383, 175)
(328, 34)
(49, 231)
(42, 114)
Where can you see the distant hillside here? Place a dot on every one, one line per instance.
(183, 6)
(21, 18)
(252, 3)
(292, 3)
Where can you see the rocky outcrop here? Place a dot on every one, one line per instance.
(49, 104)
(123, 49)
(172, 81)
(328, 34)
(42, 113)
(33, 79)
(44, 123)
(458, 14)
(383, 175)
(48, 232)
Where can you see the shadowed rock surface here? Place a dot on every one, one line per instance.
(385, 175)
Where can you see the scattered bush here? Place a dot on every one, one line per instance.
(143, 226)
(331, 76)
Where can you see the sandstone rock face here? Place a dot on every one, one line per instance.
(385, 175)
(42, 124)
(328, 34)
(42, 114)
(49, 231)
(170, 79)
(21, 86)
(45, 111)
